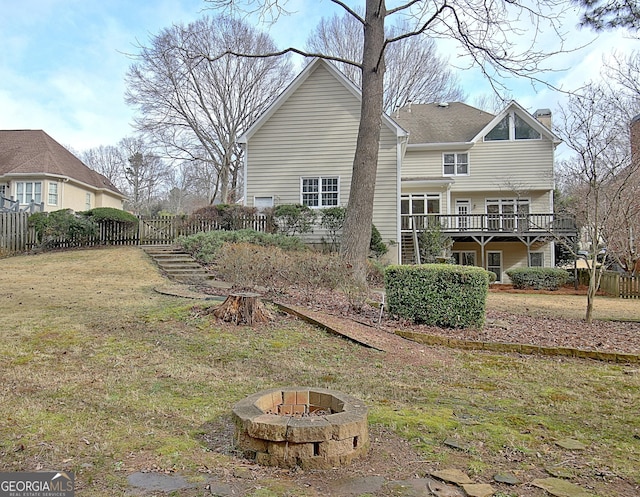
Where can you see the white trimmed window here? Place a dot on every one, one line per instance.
(52, 198)
(536, 259)
(512, 127)
(320, 191)
(27, 191)
(464, 257)
(87, 201)
(262, 203)
(454, 164)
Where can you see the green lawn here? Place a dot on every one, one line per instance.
(103, 376)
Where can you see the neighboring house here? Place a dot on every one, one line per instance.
(36, 170)
(487, 179)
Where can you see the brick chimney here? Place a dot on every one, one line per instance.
(635, 138)
(543, 116)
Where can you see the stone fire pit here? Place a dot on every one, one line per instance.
(314, 428)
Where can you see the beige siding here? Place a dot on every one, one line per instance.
(497, 166)
(313, 133)
(514, 254)
(539, 200)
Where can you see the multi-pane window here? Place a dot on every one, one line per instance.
(52, 198)
(512, 127)
(536, 259)
(87, 201)
(27, 191)
(464, 257)
(414, 206)
(3, 190)
(321, 191)
(455, 164)
(507, 213)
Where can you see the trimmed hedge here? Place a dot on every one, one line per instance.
(438, 294)
(538, 278)
(110, 214)
(205, 245)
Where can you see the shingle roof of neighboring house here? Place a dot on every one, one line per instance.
(453, 122)
(35, 152)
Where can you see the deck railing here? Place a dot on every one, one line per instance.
(490, 223)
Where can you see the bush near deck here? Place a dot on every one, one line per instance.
(438, 294)
(538, 278)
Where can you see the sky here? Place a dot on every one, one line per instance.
(63, 62)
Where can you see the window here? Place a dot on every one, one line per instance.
(262, 203)
(494, 264)
(464, 257)
(87, 201)
(524, 131)
(53, 194)
(3, 190)
(507, 213)
(27, 191)
(321, 191)
(500, 132)
(414, 206)
(536, 259)
(455, 164)
(512, 127)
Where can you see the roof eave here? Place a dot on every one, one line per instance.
(440, 146)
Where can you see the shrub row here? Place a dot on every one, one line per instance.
(538, 278)
(204, 246)
(438, 294)
(75, 228)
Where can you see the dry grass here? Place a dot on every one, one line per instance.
(102, 376)
(564, 306)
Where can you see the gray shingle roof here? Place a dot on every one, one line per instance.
(35, 152)
(453, 122)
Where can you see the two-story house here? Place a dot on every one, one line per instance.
(487, 179)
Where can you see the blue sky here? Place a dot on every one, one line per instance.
(63, 62)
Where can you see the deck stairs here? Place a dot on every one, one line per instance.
(177, 264)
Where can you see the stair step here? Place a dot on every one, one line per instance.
(175, 263)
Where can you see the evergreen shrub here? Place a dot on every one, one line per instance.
(62, 228)
(205, 245)
(110, 214)
(438, 294)
(538, 278)
(294, 218)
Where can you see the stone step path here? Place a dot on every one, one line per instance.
(176, 264)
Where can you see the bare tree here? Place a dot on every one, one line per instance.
(108, 161)
(195, 109)
(597, 174)
(487, 31)
(415, 72)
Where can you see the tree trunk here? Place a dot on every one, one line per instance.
(357, 225)
(243, 308)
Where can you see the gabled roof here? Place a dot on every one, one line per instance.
(35, 152)
(453, 122)
(457, 122)
(528, 118)
(297, 82)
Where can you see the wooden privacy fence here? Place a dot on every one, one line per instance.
(614, 284)
(17, 236)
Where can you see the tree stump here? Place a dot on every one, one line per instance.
(243, 308)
